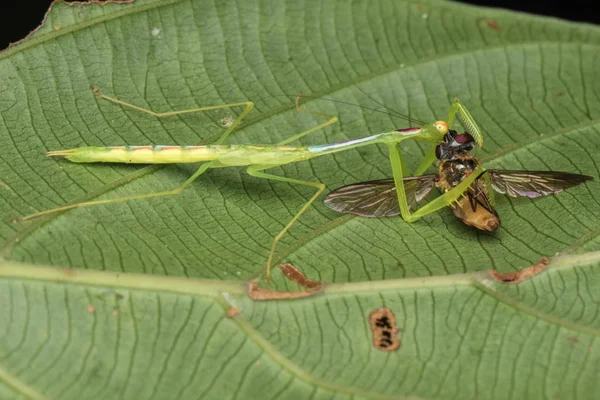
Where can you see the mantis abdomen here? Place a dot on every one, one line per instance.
(225, 154)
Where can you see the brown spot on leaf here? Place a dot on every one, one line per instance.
(522, 275)
(573, 340)
(384, 329)
(91, 308)
(232, 312)
(294, 275)
(491, 23)
(559, 94)
(258, 293)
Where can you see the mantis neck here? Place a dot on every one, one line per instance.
(426, 133)
(323, 149)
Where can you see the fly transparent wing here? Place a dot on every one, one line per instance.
(533, 184)
(379, 198)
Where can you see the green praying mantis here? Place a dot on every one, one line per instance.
(258, 158)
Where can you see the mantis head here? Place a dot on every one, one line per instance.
(430, 133)
(441, 126)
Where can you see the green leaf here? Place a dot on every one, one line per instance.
(129, 300)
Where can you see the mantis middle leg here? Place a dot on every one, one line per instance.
(248, 104)
(332, 120)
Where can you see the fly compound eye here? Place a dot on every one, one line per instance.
(441, 126)
(464, 138)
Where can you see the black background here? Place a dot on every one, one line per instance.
(19, 17)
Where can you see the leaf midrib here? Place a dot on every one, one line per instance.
(217, 289)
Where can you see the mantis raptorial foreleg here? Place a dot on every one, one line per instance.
(256, 170)
(428, 160)
(438, 203)
(457, 109)
(447, 198)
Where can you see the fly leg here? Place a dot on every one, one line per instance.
(490, 193)
(481, 189)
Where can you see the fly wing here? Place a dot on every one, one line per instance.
(379, 198)
(533, 184)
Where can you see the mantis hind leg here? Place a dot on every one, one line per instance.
(256, 170)
(203, 168)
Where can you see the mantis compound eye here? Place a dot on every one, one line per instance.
(441, 126)
(464, 138)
